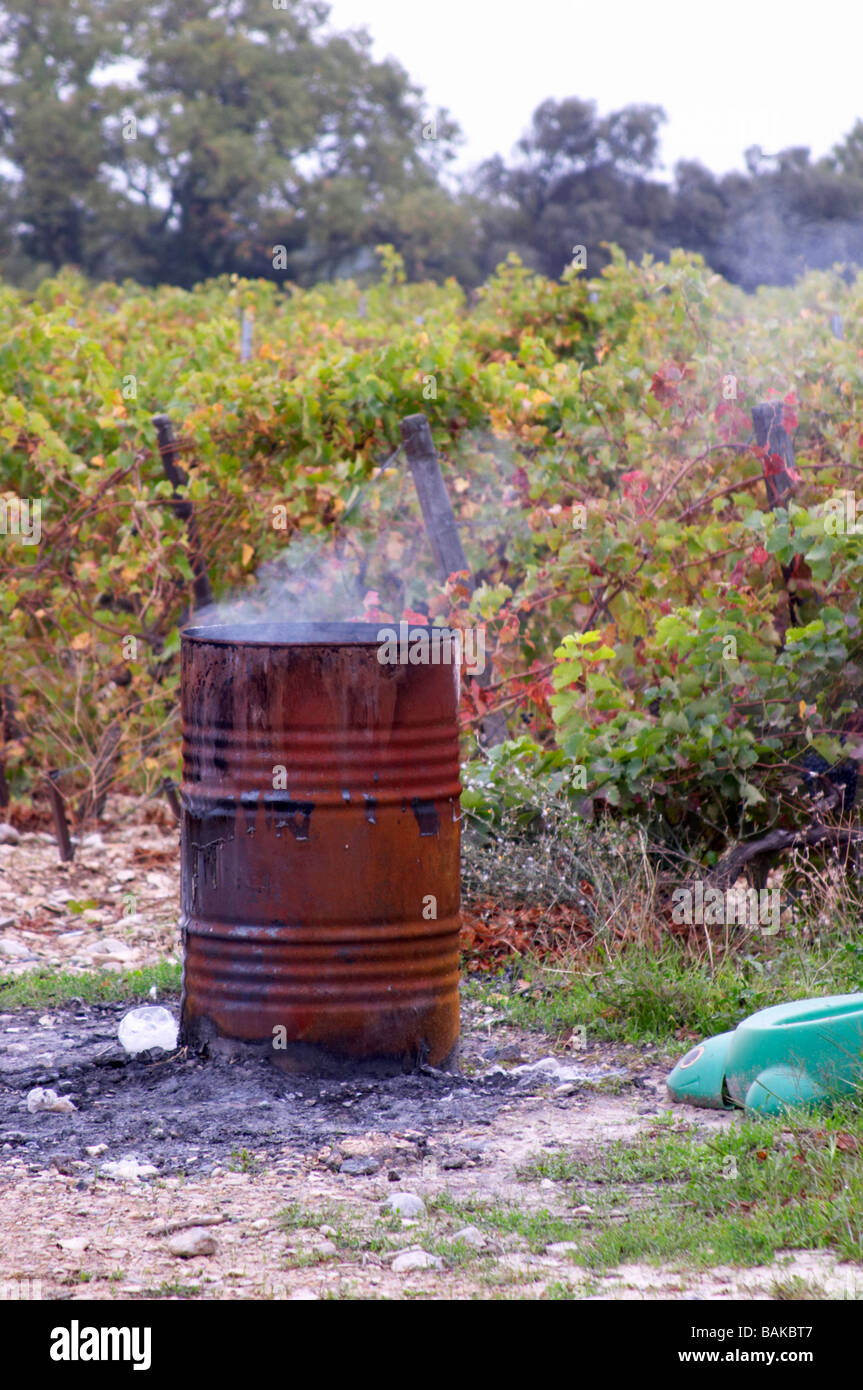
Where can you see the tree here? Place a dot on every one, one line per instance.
(51, 128)
(578, 180)
(786, 216)
(233, 128)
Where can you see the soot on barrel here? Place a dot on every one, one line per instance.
(320, 846)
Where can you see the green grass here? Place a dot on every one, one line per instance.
(497, 1218)
(296, 1217)
(351, 1232)
(241, 1161)
(677, 1196)
(381, 1234)
(172, 1289)
(738, 1197)
(563, 1290)
(648, 997)
(668, 1161)
(45, 988)
(797, 1290)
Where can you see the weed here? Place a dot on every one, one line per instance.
(241, 1161)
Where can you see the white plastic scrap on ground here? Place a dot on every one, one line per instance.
(150, 1026)
(552, 1069)
(39, 1099)
(128, 1169)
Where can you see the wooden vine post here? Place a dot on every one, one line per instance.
(9, 730)
(771, 435)
(58, 811)
(779, 471)
(169, 450)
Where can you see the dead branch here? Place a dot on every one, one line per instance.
(729, 868)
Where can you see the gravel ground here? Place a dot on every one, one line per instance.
(180, 1177)
(290, 1199)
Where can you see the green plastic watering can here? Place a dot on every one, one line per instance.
(809, 1053)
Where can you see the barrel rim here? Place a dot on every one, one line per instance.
(298, 634)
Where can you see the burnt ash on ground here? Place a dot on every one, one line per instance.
(186, 1114)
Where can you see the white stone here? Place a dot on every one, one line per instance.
(405, 1204)
(76, 1245)
(16, 950)
(415, 1259)
(109, 946)
(471, 1235)
(196, 1241)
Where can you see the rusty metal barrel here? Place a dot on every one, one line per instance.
(320, 834)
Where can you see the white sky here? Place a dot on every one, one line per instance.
(729, 73)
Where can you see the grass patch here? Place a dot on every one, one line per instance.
(172, 1288)
(295, 1217)
(383, 1235)
(44, 988)
(241, 1161)
(535, 870)
(645, 996)
(747, 1192)
(797, 1290)
(674, 1160)
(539, 1228)
(562, 1290)
(350, 1232)
(457, 1254)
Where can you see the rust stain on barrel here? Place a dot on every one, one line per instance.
(320, 846)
